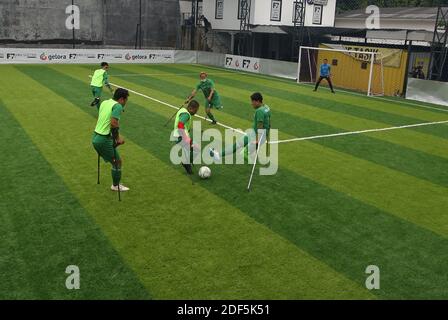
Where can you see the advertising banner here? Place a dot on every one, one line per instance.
(243, 63)
(391, 57)
(37, 55)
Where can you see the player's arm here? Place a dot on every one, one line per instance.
(260, 125)
(115, 131)
(115, 125)
(192, 95)
(106, 81)
(212, 92)
(181, 128)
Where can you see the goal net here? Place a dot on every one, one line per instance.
(351, 70)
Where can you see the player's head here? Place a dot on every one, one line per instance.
(193, 107)
(121, 96)
(325, 61)
(203, 76)
(257, 100)
(104, 65)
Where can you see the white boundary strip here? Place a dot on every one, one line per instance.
(380, 98)
(359, 132)
(173, 107)
(290, 81)
(295, 139)
(161, 74)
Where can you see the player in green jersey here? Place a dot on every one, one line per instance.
(106, 137)
(182, 131)
(213, 100)
(99, 79)
(261, 121)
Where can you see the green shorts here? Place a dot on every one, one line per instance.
(215, 103)
(104, 145)
(96, 91)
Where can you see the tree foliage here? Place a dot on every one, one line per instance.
(344, 5)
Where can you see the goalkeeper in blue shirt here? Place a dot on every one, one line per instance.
(325, 73)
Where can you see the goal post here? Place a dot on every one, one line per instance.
(350, 69)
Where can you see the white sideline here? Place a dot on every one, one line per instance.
(173, 107)
(268, 77)
(347, 133)
(160, 74)
(359, 132)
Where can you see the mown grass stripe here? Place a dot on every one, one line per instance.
(377, 111)
(388, 104)
(341, 231)
(404, 191)
(401, 158)
(378, 105)
(415, 200)
(316, 100)
(180, 250)
(44, 229)
(407, 137)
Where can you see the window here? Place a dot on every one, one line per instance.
(241, 9)
(297, 13)
(276, 10)
(219, 9)
(317, 14)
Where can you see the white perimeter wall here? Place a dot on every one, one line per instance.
(230, 19)
(261, 14)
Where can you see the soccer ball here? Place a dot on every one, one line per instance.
(205, 173)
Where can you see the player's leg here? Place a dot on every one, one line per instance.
(208, 111)
(116, 173)
(96, 92)
(187, 155)
(246, 151)
(330, 83)
(318, 83)
(105, 148)
(240, 144)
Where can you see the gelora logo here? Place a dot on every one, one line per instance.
(43, 57)
(128, 56)
(256, 66)
(237, 63)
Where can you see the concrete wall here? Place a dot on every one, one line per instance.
(103, 22)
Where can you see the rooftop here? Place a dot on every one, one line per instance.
(405, 13)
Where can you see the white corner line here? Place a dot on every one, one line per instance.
(347, 133)
(359, 132)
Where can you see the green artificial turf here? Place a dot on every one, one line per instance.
(335, 206)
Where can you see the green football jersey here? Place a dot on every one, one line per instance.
(206, 87)
(263, 114)
(99, 78)
(108, 109)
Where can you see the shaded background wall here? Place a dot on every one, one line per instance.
(102, 22)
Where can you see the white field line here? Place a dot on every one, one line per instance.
(380, 98)
(173, 107)
(161, 74)
(262, 76)
(359, 132)
(294, 139)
